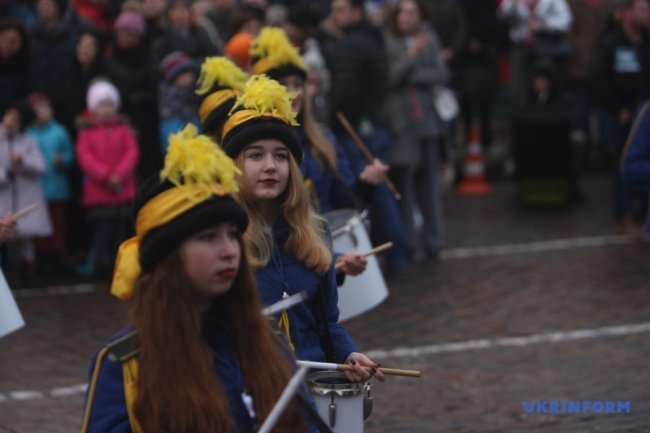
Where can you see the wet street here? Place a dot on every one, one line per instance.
(525, 312)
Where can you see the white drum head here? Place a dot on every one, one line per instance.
(360, 293)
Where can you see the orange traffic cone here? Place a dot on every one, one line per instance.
(473, 182)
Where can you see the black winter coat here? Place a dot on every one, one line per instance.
(358, 66)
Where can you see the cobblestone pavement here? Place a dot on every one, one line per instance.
(525, 286)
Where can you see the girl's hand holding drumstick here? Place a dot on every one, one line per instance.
(340, 264)
(374, 173)
(7, 228)
(361, 368)
(348, 367)
(8, 222)
(364, 149)
(352, 264)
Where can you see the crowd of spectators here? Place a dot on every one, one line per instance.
(378, 62)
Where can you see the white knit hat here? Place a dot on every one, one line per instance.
(102, 90)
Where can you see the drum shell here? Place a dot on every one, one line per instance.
(339, 402)
(359, 293)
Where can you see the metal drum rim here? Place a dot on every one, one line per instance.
(341, 389)
(355, 219)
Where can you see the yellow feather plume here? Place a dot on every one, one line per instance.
(273, 44)
(266, 96)
(222, 71)
(194, 159)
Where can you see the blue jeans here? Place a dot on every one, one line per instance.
(383, 210)
(420, 188)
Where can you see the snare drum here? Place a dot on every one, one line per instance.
(359, 293)
(342, 404)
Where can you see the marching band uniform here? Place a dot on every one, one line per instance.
(189, 197)
(331, 184)
(285, 266)
(110, 412)
(325, 168)
(286, 274)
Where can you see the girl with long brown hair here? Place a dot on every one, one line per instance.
(198, 355)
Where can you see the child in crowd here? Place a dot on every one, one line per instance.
(56, 147)
(7, 228)
(178, 104)
(108, 153)
(21, 164)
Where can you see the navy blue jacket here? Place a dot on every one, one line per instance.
(109, 413)
(332, 192)
(284, 273)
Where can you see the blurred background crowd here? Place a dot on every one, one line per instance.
(546, 84)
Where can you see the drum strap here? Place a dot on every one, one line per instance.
(354, 197)
(328, 348)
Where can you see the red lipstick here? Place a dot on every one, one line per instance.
(227, 274)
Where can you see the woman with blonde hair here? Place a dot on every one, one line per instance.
(329, 179)
(289, 242)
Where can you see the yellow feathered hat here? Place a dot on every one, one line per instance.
(273, 54)
(219, 83)
(262, 111)
(191, 193)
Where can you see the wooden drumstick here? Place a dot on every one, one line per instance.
(346, 367)
(375, 250)
(368, 154)
(24, 211)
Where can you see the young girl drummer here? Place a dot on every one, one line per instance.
(329, 179)
(199, 356)
(289, 243)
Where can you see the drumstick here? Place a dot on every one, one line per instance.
(344, 121)
(285, 398)
(285, 303)
(346, 367)
(375, 250)
(24, 211)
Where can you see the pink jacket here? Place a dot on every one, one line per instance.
(105, 149)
